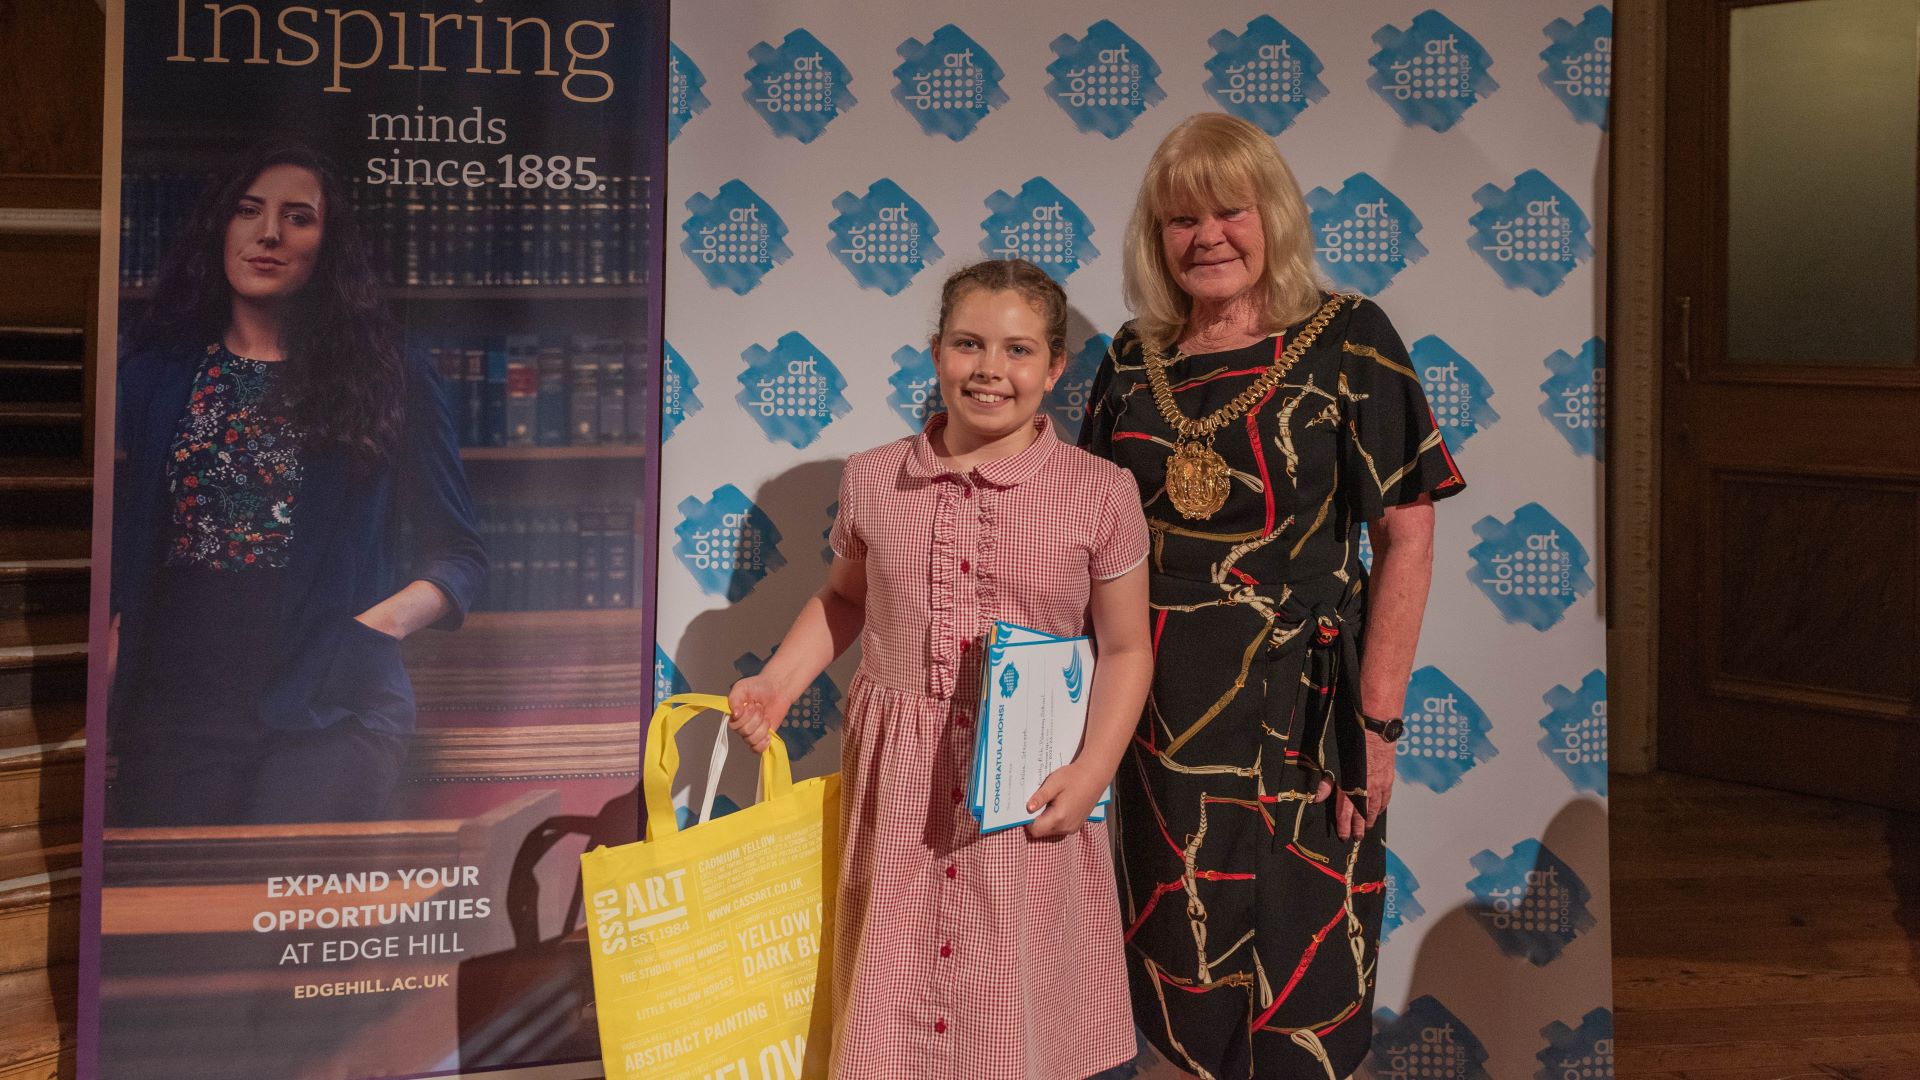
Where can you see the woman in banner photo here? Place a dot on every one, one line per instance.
(959, 956)
(1266, 421)
(271, 438)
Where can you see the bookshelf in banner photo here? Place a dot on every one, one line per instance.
(438, 236)
(519, 391)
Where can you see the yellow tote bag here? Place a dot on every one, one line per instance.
(711, 945)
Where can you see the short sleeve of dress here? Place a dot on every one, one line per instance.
(844, 538)
(1096, 430)
(1392, 450)
(1120, 540)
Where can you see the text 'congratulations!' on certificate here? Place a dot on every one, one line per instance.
(1033, 713)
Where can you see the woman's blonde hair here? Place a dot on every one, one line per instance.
(1215, 161)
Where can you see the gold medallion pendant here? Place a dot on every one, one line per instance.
(1197, 480)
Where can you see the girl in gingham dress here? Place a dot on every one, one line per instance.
(958, 955)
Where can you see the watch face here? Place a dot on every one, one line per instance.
(1393, 731)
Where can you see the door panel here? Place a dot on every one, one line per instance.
(1790, 597)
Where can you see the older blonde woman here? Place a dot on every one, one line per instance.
(1265, 420)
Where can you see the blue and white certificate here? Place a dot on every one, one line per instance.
(1033, 715)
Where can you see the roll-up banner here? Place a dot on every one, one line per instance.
(373, 555)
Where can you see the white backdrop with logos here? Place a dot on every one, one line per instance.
(830, 166)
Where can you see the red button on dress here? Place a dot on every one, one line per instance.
(958, 794)
(953, 872)
(939, 1027)
(946, 950)
(964, 567)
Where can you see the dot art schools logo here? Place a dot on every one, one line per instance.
(1073, 394)
(1399, 906)
(1366, 547)
(1427, 1042)
(667, 680)
(815, 712)
(727, 543)
(734, 237)
(1531, 903)
(791, 390)
(1040, 225)
(1103, 81)
(677, 399)
(883, 238)
(1533, 568)
(1579, 67)
(1576, 398)
(949, 84)
(684, 83)
(1446, 733)
(1533, 234)
(916, 386)
(1582, 1053)
(799, 87)
(1265, 75)
(1461, 397)
(1366, 234)
(1432, 72)
(1576, 732)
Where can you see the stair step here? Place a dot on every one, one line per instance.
(38, 475)
(50, 723)
(42, 342)
(41, 413)
(37, 1022)
(36, 674)
(45, 601)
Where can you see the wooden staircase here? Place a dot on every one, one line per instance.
(46, 494)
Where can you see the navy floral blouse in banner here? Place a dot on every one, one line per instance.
(235, 469)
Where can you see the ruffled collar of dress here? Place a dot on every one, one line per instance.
(1004, 472)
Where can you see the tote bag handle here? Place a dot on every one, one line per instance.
(661, 761)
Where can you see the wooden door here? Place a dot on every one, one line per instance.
(1790, 595)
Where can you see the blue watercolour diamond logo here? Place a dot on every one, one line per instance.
(734, 237)
(1579, 67)
(727, 543)
(1576, 732)
(1040, 225)
(1533, 234)
(1446, 733)
(1531, 903)
(684, 99)
(1427, 1042)
(677, 399)
(1533, 568)
(1072, 396)
(1366, 547)
(1582, 1053)
(883, 239)
(916, 387)
(792, 390)
(949, 84)
(1432, 72)
(799, 87)
(1576, 398)
(1461, 397)
(1103, 81)
(815, 712)
(1399, 906)
(1366, 234)
(667, 680)
(1265, 75)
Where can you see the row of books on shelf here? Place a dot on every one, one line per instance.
(558, 558)
(419, 236)
(533, 390)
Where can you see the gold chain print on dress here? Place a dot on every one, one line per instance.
(1196, 474)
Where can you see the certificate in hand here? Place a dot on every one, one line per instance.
(1033, 713)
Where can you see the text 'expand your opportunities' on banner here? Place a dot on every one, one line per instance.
(383, 462)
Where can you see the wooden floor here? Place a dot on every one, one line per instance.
(1762, 936)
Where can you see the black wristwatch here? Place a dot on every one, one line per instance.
(1388, 730)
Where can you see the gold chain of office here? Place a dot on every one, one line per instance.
(1197, 482)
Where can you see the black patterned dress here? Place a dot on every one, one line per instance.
(1252, 929)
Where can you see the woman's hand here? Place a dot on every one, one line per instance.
(1069, 795)
(419, 605)
(759, 705)
(1348, 823)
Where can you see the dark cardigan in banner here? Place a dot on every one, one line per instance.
(379, 638)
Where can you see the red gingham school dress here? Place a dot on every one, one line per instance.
(957, 955)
